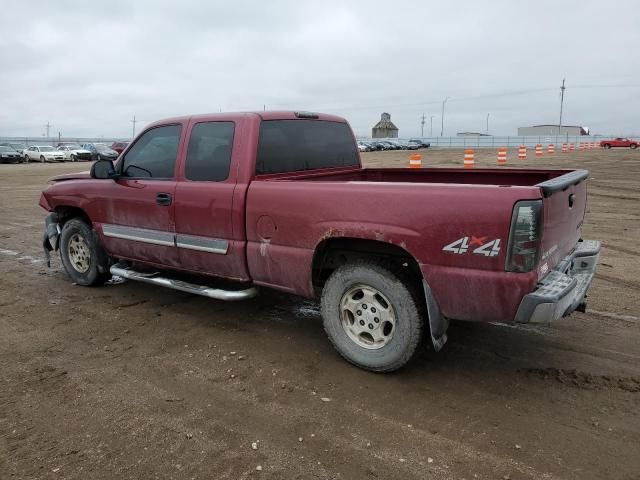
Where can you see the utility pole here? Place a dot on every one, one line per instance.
(431, 130)
(422, 125)
(562, 89)
(48, 126)
(133, 130)
(487, 132)
(442, 119)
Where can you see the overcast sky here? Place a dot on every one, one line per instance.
(89, 66)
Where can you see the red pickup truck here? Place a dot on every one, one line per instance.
(280, 200)
(619, 142)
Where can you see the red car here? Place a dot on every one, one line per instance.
(280, 200)
(619, 142)
(119, 146)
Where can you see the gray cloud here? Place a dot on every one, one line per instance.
(88, 67)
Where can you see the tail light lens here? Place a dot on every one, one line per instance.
(525, 236)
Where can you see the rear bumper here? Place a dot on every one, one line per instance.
(564, 289)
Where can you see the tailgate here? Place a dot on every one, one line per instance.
(564, 205)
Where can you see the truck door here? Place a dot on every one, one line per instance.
(205, 210)
(137, 209)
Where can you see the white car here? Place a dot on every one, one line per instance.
(75, 152)
(43, 153)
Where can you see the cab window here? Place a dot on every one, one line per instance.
(209, 152)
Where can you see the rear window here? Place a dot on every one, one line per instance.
(296, 145)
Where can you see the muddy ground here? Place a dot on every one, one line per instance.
(133, 381)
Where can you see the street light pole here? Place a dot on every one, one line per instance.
(431, 130)
(487, 132)
(442, 119)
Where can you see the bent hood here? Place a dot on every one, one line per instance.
(71, 176)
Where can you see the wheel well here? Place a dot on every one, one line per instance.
(332, 253)
(66, 213)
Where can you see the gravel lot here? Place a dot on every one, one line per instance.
(133, 381)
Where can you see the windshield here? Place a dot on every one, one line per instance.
(47, 149)
(73, 147)
(18, 146)
(101, 147)
(6, 149)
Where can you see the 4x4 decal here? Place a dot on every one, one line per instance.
(461, 246)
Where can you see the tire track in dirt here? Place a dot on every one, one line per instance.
(619, 281)
(584, 380)
(622, 250)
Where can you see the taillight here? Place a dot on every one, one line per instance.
(525, 236)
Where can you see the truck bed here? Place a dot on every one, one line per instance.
(476, 176)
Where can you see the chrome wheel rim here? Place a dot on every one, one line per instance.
(367, 317)
(78, 253)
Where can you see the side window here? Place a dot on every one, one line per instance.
(154, 154)
(209, 153)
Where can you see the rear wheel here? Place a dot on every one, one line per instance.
(607, 146)
(82, 257)
(372, 316)
(633, 146)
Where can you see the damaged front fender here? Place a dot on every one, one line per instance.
(51, 237)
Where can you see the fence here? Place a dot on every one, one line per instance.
(28, 141)
(495, 142)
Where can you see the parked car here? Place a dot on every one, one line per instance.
(365, 147)
(619, 142)
(43, 153)
(420, 143)
(379, 146)
(100, 151)
(18, 147)
(9, 155)
(406, 145)
(119, 146)
(246, 200)
(387, 145)
(75, 152)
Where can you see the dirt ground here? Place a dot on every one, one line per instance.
(133, 381)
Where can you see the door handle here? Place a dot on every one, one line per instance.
(163, 199)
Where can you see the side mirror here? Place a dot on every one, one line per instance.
(103, 169)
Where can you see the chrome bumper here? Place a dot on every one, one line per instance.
(564, 289)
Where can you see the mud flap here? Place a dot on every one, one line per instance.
(437, 323)
(51, 237)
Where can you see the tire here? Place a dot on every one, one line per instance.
(607, 146)
(389, 346)
(633, 146)
(42, 159)
(98, 158)
(74, 158)
(26, 159)
(82, 257)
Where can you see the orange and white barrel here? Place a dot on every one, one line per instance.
(551, 148)
(539, 151)
(572, 147)
(469, 158)
(564, 147)
(522, 152)
(502, 156)
(415, 160)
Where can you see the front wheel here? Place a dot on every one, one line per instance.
(372, 316)
(633, 146)
(74, 158)
(607, 146)
(82, 257)
(98, 158)
(42, 159)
